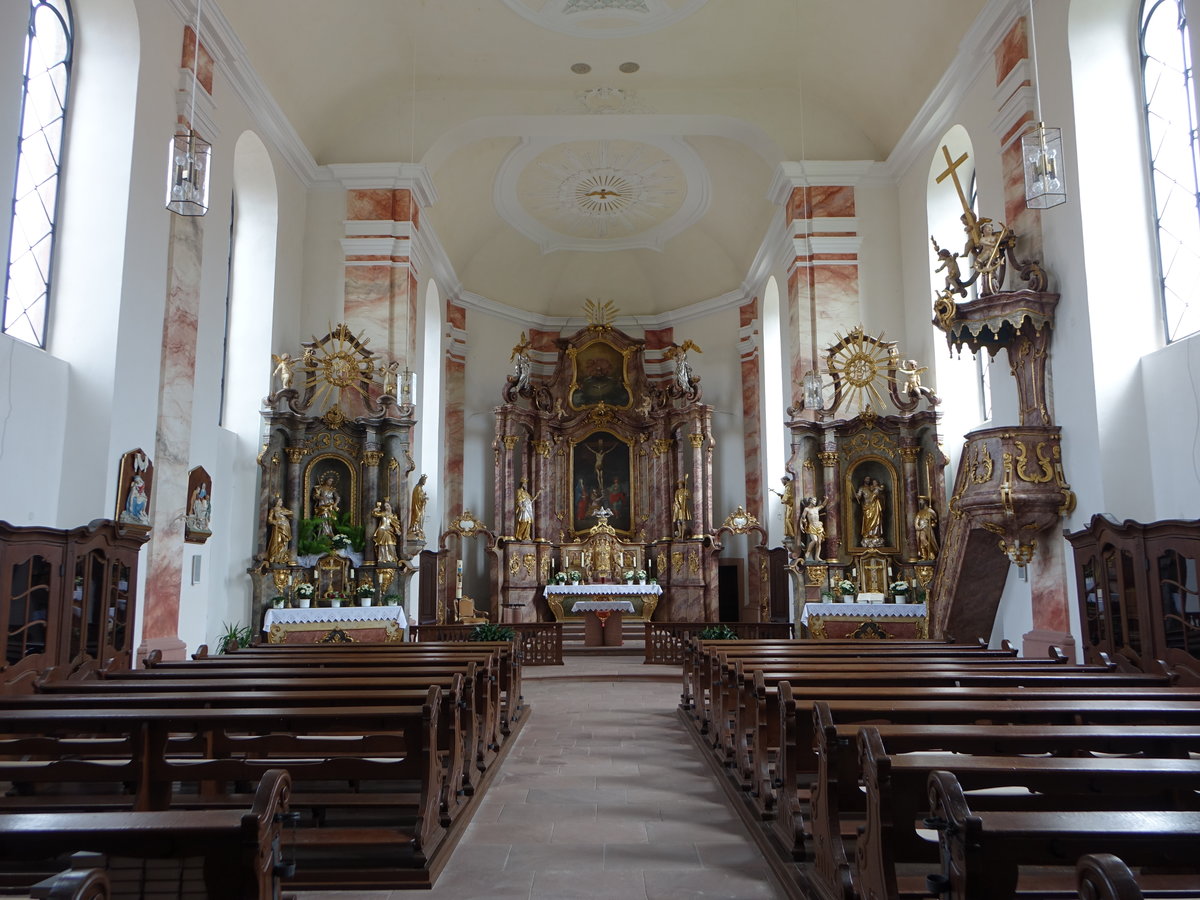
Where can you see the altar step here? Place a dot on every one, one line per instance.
(633, 635)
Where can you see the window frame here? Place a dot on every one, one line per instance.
(63, 11)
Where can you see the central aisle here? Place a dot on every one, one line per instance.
(603, 795)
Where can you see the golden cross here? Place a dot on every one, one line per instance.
(952, 172)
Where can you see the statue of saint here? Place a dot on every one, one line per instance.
(416, 509)
(680, 514)
(279, 547)
(327, 502)
(925, 522)
(137, 502)
(870, 497)
(788, 500)
(814, 529)
(385, 532)
(200, 509)
(525, 511)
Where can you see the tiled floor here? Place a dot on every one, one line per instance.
(603, 795)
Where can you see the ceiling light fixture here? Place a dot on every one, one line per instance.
(188, 161)
(1041, 148)
(628, 67)
(581, 68)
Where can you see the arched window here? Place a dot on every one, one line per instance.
(1170, 105)
(47, 81)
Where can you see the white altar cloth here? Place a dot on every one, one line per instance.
(624, 606)
(335, 614)
(873, 610)
(593, 590)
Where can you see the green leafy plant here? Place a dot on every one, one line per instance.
(488, 631)
(393, 600)
(313, 541)
(234, 632)
(718, 633)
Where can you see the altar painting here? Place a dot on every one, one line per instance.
(601, 478)
(599, 376)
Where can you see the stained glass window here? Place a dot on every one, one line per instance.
(47, 79)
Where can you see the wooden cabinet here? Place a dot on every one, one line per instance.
(67, 592)
(1139, 595)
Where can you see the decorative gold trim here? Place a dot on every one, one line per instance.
(816, 575)
(829, 458)
(697, 440)
(910, 454)
(372, 458)
(978, 458)
(739, 521)
(295, 455)
(542, 448)
(661, 446)
(1047, 469)
(510, 441)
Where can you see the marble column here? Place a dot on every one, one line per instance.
(453, 392)
(912, 487)
(831, 460)
(177, 377)
(748, 352)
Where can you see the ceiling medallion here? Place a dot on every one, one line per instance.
(606, 189)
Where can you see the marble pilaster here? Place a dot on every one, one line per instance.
(454, 388)
(751, 366)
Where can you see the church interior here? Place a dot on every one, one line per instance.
(859, 321)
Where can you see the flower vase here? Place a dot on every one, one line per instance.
(303, 602)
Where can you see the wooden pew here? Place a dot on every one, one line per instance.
(240, 849)
(797, 764)
(982, 852)
(455, 741)
(392, 836)
(897, 799)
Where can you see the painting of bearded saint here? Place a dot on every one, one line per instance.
(599, 377)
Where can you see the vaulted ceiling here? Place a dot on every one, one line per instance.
(647, 187)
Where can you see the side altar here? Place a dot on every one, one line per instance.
(337, 519)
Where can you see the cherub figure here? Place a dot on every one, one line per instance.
(912, 383)
(284, 366)
(954, 282)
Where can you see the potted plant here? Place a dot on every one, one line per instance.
(236, 634)
(277, 602)
(717, 633)
(641, 576)
(900, 591)
(341, 542)
(304, 594)
(365, 594)
(490, 631)
(847, 589)
(629, 576)
(575, 576)
(335, 601)
(559, 578)
(393, 600)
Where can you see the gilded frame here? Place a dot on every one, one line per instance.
(596, 358)
(622, 469)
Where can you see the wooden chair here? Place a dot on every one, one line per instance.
(466, 614)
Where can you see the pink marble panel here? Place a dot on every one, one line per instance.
(1048, 577)
(747, 313)
(454, 412)
(659, 338)
(828, 200)
(752, 432)
(544, 341)
(1013, 48)
(374, 205)
(1026, 222)
(403, 208)
(204, 75)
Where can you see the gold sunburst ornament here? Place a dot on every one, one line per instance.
(857, 362)
(339, 361)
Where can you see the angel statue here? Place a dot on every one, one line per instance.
(522, 364)
(284, 366)
(912, 386)
(683, 371)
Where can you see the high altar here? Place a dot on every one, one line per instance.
(603, 467)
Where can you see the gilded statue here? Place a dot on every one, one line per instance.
(525, 511)
(327, 502)
(870, 498)
(416, 509)
(814, 528)
(680, 513)
(386, 532)
(787, 499)
(279, 547)
(925, 523)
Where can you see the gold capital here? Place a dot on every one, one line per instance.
(697, 440)
(295, 454)
(372, 457)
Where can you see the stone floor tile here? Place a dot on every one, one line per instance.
(596, 886)
(576, 857)
(707, 884)
(598, 832)
(651, 856)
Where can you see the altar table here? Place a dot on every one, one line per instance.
(365, 624)
(602, 621)
(564, 599)
(906, 621)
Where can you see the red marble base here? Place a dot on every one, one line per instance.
(1036, 644)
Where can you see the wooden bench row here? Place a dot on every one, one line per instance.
(843, 772)
(385, 747)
